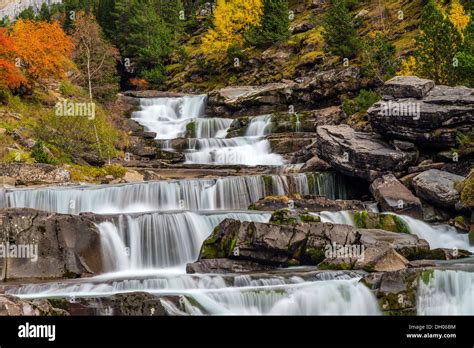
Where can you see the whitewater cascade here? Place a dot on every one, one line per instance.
(437, 236)
(336, 294)
(225, 193)
(149, 231)
(162, 240)
(446, 292)
(173, 118)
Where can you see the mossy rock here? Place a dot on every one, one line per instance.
(287, 217)
(309, 218)
(191, 130)
(313, 256)
(386, 222)
(283, 217)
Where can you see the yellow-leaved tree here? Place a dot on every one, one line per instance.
(458, 17)
(231, 19)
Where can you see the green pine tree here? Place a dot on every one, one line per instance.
(339, 32)
(27, 13)
(437, 46)
(465, 57)
(274, 24)
(44, 13)
(105, 16)
(144, 38)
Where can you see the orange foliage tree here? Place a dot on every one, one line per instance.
(43, 49)
(10, 74)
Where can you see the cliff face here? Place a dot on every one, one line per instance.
(11, 8)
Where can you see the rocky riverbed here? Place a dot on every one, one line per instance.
(234, 204)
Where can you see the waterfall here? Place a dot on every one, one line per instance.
(245, 151)
(335, 297)
(212, 127)
(251, 149)
(224, 193)
(213, 294)
(437, 236)
(114, 250)
(259, 126)
(162, 240)
(168, 117)
(446, 293)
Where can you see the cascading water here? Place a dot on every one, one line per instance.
(162, 240)
(251, 149)
(168, 117)
(224, 193)
(214, 294)
(446, 293)
(172, 118)
(437, 236)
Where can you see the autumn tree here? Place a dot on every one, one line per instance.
(10, 74)
(437, 46)
(43, 49)
(458, 16)
(95, 58)
(231, 20)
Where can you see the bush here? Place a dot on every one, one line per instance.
(234, 51)
(39, 154)
(361, 103)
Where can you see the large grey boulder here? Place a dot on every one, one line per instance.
(407, 87)
(393, 196)
(438, 187)
(302, 243)
(53, 245)
(363, 155)
(415, 110)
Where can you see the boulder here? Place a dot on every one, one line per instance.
(363, 155)
(38, 173)
(303, 243)
(438, 187)
(393, 196)
(386, 222)
(396, 290)
(381, 259)
(50, 245)
(407, 87)
(13, 306)
(133, 176)
(248, 100)
(412, 109)
(315, 164)
(286, 143)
